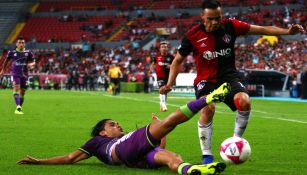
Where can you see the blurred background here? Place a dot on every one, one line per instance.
(76, 41)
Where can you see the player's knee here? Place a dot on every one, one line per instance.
(208, 110)
(242, 102)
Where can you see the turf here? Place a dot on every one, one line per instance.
(58, 122)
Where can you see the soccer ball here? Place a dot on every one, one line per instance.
(235, 150)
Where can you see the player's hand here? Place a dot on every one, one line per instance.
(295, 29)
(31, 65)
(165, 89)
(28, 160)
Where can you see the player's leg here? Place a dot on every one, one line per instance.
(113, 86)
(160, 129)
(118, 86)
(23, 88)
(243, 106)
(238, 99)
(16, 94)
(205, 128)
(165, 98)
(205, 122)
(22, 95)
(176, 164)
(163, 108)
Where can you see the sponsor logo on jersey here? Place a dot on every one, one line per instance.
(20, 64)
(209, 55)
(227, 38)
(162, 64)
(203, 45)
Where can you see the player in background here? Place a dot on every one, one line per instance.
(161, 63)
(21, 60)
(115, 74)
(212, 44)
(141, 148)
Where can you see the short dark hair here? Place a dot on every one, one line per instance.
(210, 4)
(164, 42)
(99, 127)
(20, 38)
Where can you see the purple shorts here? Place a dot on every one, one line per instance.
(138, 149)
(22, 81)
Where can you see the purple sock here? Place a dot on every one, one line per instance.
(185, 169)
(197, 105)
(17, 99)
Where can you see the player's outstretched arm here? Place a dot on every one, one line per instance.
(174, 70)
(71, 158)
(272, 30)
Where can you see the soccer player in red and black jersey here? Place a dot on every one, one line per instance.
(212, 44)
(162, 62)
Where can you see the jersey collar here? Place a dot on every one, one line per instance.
(20, 50)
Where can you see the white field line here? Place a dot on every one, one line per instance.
(217, 111)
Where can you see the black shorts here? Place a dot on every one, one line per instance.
(161, 82)
(204, 88)
(115, 81)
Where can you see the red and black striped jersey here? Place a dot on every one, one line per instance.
(214, 51)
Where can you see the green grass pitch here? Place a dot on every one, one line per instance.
(58, 122)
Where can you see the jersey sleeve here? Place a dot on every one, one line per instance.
(185, 47)
(241, 28)
(89, 147)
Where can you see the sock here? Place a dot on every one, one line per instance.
(241, 122)
(184, 167)
(21, 100)
(17, 99)
(162, 98)
(193, 107)
(205, 137)
(197, 105)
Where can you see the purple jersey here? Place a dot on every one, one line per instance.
(19, 62)
(99, 147)
(135, 149)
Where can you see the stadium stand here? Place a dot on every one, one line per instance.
(70, 28)
(91, 5)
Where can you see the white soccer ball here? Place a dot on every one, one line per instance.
(235, 150)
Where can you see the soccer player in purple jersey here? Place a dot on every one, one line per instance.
(140, 148)
(21, 59)
(212, 44)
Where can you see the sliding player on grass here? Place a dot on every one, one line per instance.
(140, 148)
